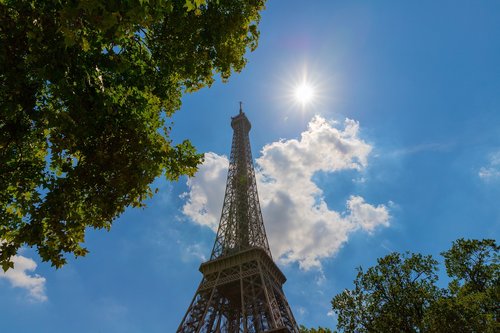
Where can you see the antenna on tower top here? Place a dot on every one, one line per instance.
(241, 107)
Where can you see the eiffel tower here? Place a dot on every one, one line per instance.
(241, 290)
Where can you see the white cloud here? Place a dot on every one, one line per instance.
(301, 310)
(195, 251)
(18, 277)
(366, 216)
(206, 191)
(424, 147)
(300, 226)
(492, 170)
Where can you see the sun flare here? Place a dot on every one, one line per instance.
(304, 93)
(304, 90)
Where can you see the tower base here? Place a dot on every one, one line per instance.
(240, 293)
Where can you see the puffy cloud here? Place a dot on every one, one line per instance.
(322, 147)
(492, 170)
(367, 216)
(300, 225)
(206, 191)
(18, 277)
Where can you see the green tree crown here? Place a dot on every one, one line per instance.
(86, 92)
(399, 294)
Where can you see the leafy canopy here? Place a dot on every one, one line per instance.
(471, 303)
(399, 294)
(320, 329)
(389, 297)
(86, 91)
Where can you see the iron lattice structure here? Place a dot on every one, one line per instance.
(242, 288)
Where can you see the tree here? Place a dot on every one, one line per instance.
(86, 91)
(389, 297)
(472, 301)
(399, 294)
(320, 329)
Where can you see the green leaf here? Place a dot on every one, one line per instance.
(85, 44)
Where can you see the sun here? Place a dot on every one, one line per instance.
(303, 90)
(304, 93)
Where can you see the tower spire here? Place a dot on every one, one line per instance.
(241, 290)
(241, 225)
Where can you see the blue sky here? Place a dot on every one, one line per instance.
(415, 166)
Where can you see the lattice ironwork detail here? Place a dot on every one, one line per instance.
(241, 225)
(241, 290)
